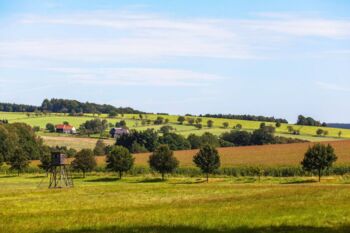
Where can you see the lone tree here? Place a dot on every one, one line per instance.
(163, 161)
(210, 123)
(207, 159)
(340, 134)
(319, 158)
(319, 132)
(119, 160)
(84, 161)
(225, 125)
(99, 147)
(181, 119)
(190, 121)
(19, 161)
(50, 127)
(278, 124)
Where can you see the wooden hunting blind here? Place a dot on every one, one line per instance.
(60, 176)
(58, 159)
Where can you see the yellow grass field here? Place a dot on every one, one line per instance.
(74, 142)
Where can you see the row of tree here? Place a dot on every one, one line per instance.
(317, 159)
(246, 117)
(162, 160)
(67, 106)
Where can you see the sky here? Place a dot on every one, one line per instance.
(272, 57)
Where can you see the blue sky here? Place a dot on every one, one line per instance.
(274, 58)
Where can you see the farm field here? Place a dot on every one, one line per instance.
(267, 155)
(74, 142)
(104, 204)
(133, 122)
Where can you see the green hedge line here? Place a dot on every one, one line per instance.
(278, 171)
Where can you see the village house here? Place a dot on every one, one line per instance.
(68, 129)
(117, 132)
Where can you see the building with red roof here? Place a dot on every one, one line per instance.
(62, 128)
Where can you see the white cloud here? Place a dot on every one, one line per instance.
(315, 27)
(137, 76)
(332, 87)
(106, 36)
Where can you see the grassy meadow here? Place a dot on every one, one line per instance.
(104, 204)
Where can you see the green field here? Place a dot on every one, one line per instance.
(133, 122)
(104, 204)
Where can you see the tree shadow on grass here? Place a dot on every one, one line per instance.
(187, 229)
(300, 182)
(197, 181)
(104, 179)
(37, 177)
(9, 176)
(149, 180)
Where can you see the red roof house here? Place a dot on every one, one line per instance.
(62, 128)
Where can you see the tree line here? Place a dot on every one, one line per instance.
(246, 117)
(67, 106)
(317, 159)
(162, 160)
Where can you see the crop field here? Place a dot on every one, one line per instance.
(267, 155)
(74, 142)
(104, 204)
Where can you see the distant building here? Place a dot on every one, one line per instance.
(117, 132)
(65, 129)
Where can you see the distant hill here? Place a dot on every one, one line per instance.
(339, 125)
(68, 106)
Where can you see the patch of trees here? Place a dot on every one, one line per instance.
(302, 120)
(72, 107)
(246, 117)
(19, 145)
(139, 141)
(262, 136)
(9, 107)
(148, 140)
(93, 126)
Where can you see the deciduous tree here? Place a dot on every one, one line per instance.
(119, 160)
(207, 159)
(319, 158)
(163, 161)
(84, 161)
